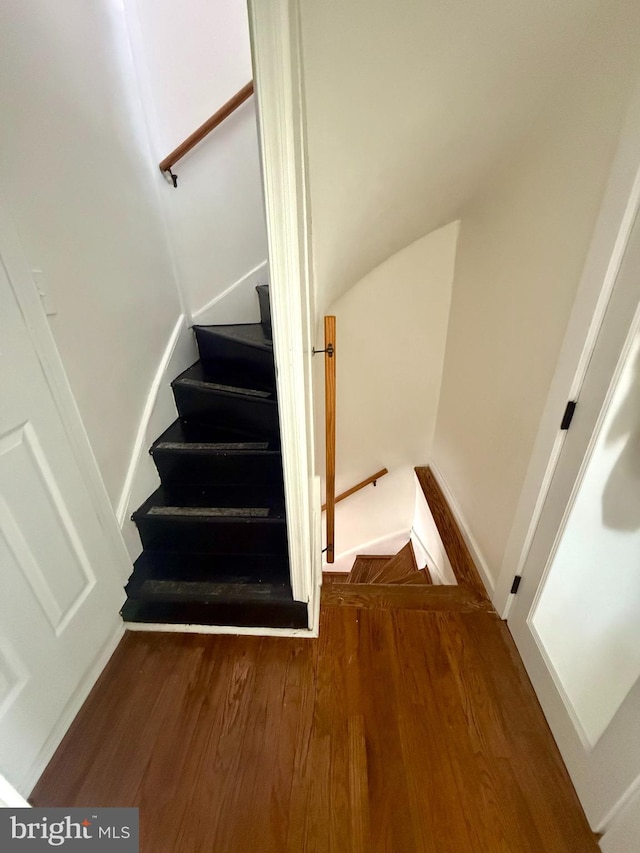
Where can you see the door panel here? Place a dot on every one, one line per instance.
(576, 617)
(60, 593)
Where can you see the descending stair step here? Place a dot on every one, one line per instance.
(202, 401)
(265, 309)
(246, 346)
(202, 567)
(244, 610)
(252, 463)
(365, 567)
(217, 530)
(401, 567)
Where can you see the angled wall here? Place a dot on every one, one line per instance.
(77, 178)
(523, 242)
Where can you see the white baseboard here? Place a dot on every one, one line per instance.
(77, 700)
(163, 627)
(158, 413)
(465, 530)
(389, 544)
(238, 303)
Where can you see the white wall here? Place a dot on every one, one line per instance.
(623, 834)
(409, 105)
(190, 60)
(391, 331)
(76, 175)
(523, 242)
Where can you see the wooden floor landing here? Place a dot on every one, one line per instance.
(398, 730)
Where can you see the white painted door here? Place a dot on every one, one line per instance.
(60, 594)
(576, 617)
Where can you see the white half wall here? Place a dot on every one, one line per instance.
(190, 60)
(391, 332)
(76, 178)
(522, 246)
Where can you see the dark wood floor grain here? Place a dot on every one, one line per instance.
(398, 730)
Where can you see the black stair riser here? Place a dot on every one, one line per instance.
(181, 493)
(265, 309)
(218, 349)
(218, 408)
(163, 565)
(292, 614)
(244, 469)
(245, 536)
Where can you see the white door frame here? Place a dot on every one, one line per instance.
(618, 210)
(45, 347)
(276, 48)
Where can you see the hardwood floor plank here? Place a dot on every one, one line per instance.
(399, 729)
(404, 597)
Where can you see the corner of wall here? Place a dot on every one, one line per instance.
(158, 413)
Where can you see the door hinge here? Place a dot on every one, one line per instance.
(568, 415)
(515, 584)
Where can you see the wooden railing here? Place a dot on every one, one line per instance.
(330, 429)
(372, 480)
(204, 129)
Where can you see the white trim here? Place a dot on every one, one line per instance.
(389, 544)
(71, 709)
(620, 206)
(236, 304)
(10, 797)
(470, 540)
(165, 628)
(276, 54)
(620, 804)
(56, 378)
(158, 413)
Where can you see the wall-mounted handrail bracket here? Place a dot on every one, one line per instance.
(171, 177)
(329, 351)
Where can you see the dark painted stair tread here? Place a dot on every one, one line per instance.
(239, 612)
(248, 334)
(157, 508)
(223, 568)
(236, 383)
(195, 437)
(215, 530)
(163, 589)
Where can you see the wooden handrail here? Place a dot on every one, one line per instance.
(330, 427)
(206, 128)
(372, 479)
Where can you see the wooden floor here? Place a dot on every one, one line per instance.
(399, 730)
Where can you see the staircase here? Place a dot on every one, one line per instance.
(214, 534)
(401, 569)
